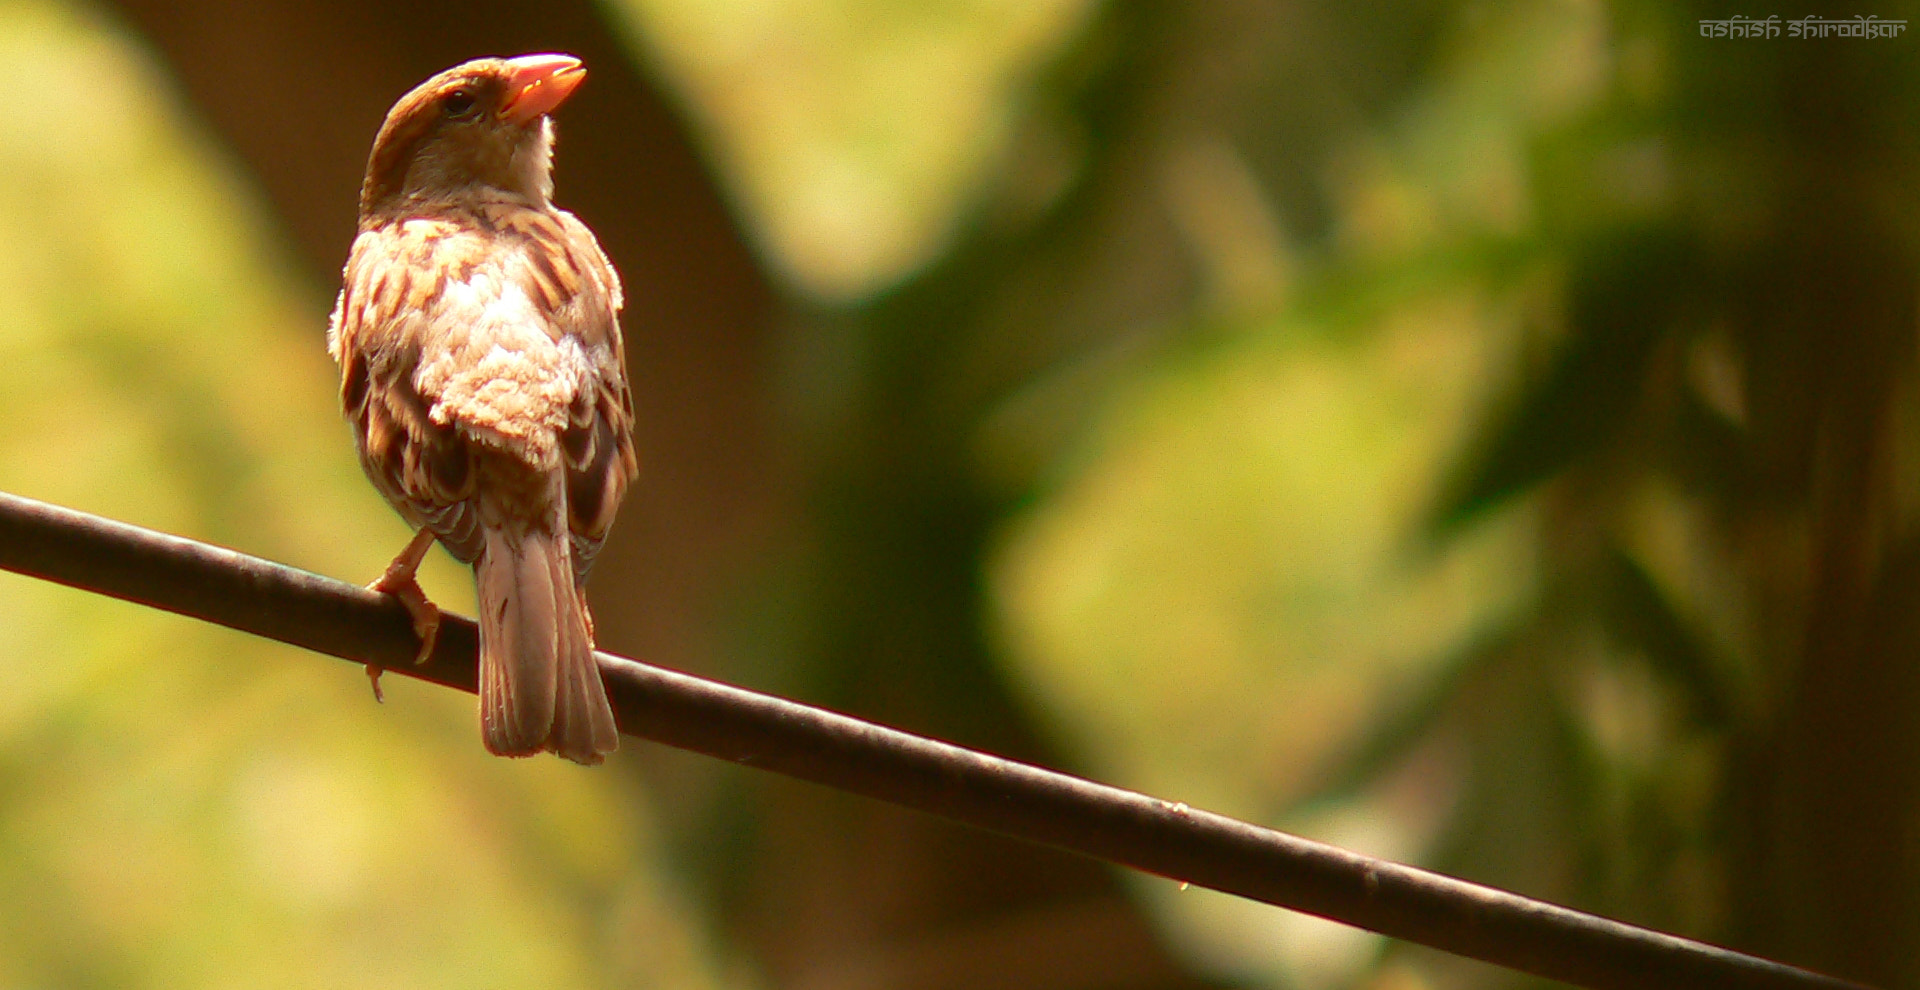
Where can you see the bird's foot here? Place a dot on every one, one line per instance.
(425, 615)
(399, 581)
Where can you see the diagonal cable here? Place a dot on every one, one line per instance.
(1027, 802)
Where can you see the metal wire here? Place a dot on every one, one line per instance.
(1027, 802)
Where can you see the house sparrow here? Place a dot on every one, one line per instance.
(481, 365)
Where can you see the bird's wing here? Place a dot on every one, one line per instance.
(461, 340)
(597, 442)
(422, 464)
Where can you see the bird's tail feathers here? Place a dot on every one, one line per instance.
(540, 687)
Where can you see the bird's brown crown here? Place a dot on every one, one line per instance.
(481, 125)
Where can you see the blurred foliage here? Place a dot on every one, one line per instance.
(850, 133)
(1466, 431)
(1482, 435)
(184, 806)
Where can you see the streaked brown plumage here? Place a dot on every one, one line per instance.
(482, 369)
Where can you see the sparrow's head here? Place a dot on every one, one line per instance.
(481, 127)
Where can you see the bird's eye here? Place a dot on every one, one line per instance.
(458, 104)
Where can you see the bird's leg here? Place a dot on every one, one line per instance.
(399, 582)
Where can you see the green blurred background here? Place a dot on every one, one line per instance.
(1480, 434)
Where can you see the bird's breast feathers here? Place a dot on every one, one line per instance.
(504, 319)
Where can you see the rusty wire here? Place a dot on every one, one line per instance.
(1027, 802)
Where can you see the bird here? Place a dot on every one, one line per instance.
(483, 372)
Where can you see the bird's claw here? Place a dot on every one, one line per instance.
(399, 581)
(425, 615)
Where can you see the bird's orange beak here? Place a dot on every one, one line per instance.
(538, 83)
